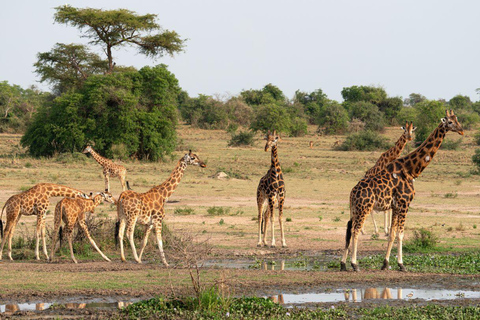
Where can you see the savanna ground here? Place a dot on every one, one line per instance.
(222, 213)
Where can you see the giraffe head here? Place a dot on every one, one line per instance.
(192, 159)
(87, 149)
(107, 197)
(272, 139)
(408, 130)
(450, 122)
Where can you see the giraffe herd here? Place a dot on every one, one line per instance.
(387, 186)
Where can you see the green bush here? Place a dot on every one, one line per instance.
(364, 141)
(476, 160)
(369, 114)
(451, 144)
(332, 119)
(429, 115)
(243, 138)
(423, 239)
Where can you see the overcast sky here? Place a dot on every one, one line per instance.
(429, 47)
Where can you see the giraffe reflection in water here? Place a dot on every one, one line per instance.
(371, 293)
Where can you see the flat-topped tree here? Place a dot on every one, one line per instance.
(121, 27)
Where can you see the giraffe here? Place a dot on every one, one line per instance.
(148, 208)
(392, 188)
(271, 189)
(311, 144)
(72, 211)
(33, 201)
(382, 162)
(110, 169)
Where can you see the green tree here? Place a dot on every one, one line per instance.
(429, 114)
(369, 94)
(332, 119)
(390, 107)
(369, 114)
(312, 103)
(269, 94)
(271, 117)
(413, 99)
(67, 66)
(118, 28)
(136, 109)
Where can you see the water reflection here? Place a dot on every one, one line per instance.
(12, 308)
(372, 293)
(272, 265)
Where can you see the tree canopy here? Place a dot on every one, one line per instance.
(115, 28)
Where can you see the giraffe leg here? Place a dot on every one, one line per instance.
(400, 243)
(271, 206)
(261, 214)
(44, 240)
(69, 235)
(121, 232)
(388, 221)
(84, 227)
(280, 221)
(9, 228)
(10, 236)
(148, 228)
(107, 183)
(122, 181)
(158, 233)
(374, 223)
(357, 225)
(391, 240)
(56, 228)
(38, 230)
(130, 231)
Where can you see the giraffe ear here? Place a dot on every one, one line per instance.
(444, 120)
(413, 129)
(403, 128)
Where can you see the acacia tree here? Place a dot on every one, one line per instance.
(121, 27)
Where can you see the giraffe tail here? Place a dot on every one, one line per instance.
(128, 185)
(117, 231)
(348, 235)
(60, 235)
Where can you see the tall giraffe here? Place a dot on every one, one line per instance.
(148, 208)
(271, 189)
(382, 162)
(392, 188)
(110, 169)
(72, 211)
(33, 201)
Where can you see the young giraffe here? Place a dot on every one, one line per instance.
(392, 188)
(148, 208)
(72, 211)
(110, 169)
(271, 188)
(382, 162)
(33, 201)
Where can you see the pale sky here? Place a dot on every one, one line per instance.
(428, 47)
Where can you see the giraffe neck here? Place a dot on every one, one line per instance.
(101, 160)
(392, 153)
(91, 204)
(275, 162)
(55, 190)
(415, 162)
(172, 182)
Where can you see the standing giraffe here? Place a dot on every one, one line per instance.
(33, 201)
(110, 169)
(148, 208)
(271, 189)
(72, 211)
(382, 162)
(392, 188)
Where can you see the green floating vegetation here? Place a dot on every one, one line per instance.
(215, 307)
(464, 263)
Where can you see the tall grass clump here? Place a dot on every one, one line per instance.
(423, 240)
(243, 138)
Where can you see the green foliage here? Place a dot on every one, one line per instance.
(364, 141)
(186, 211)
(370, 94)
(476, 160)
(460, 102)
(477, 138)
(268, 95)
(218, 211)
(413, 99)
(429, 115)
(133, 109)
(368, 113)
(423, 240)
(118, 28)
(451, 144)
(332, 119)
(406, 114)
(17, 106)
(271, 117)
(243, 138)
(312, 103)
(390, 107)
(468, 119)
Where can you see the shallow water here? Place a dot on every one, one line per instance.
(359, 295)
(299, 263)
(337, 295)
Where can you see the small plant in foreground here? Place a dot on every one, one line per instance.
(184, 211)
(423, 239)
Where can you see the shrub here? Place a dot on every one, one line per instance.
(218, 211)
(369, 114)
(243, 138)
(332, 119)
(451, 144)
(184, 211)
(423, 239)
(476, 160)
(364, 141)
